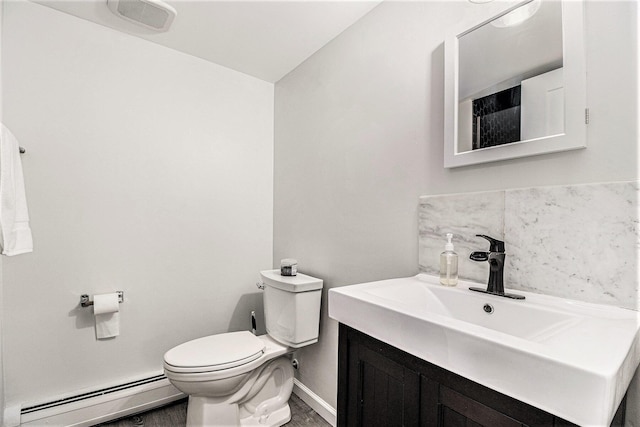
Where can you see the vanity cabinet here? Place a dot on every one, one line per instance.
(380, 385)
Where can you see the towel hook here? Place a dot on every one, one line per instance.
(22, 150)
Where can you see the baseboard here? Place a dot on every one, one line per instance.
(139, 399)
(316, 403)
(106, 408)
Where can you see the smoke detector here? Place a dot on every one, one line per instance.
(154, 14)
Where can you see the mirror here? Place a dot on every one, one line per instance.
(515, 84)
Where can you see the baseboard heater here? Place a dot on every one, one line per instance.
(91, 394)
(92, 407)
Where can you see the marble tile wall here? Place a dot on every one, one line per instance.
(580, 242)
(464, 215)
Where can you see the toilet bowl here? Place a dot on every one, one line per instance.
(240, 379)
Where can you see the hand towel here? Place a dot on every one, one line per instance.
(14, 216)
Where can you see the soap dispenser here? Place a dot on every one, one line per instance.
(449, 264)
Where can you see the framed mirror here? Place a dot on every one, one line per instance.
(515, 82)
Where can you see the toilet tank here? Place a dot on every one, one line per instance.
(292, 307)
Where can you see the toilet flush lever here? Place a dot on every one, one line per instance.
(260, 285)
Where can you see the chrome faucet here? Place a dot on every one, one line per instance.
(495, 256)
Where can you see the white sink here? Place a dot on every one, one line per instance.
(569, 358)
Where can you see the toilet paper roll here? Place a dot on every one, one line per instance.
(106, 310)
(106, 303)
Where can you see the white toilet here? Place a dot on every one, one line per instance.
(239, 379)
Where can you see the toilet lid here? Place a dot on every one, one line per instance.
(216, 352)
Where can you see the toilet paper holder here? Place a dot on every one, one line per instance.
(86, 302)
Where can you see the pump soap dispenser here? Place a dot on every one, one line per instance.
(449, 264)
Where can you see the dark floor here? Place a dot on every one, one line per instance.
(175, 415)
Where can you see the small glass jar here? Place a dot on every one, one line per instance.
(288, 267)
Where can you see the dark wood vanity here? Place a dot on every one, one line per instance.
(380, 385)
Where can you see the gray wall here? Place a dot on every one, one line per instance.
(359, 137)
(1, 290)
(145, 172)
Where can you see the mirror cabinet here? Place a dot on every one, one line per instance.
(515, 82)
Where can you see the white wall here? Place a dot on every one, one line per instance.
(359, 137)
(147, 171)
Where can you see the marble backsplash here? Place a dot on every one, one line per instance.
(579, 242)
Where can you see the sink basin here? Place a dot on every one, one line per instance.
(569, 358)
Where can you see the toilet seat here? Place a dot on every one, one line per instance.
(215, 353)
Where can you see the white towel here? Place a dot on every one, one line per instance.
(14, 216)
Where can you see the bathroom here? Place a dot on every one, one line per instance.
(177, 180)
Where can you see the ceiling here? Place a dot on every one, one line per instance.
(265, 39)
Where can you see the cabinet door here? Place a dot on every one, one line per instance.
(444, 407)
(458, 410)
(379, 385)
(381, 392)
